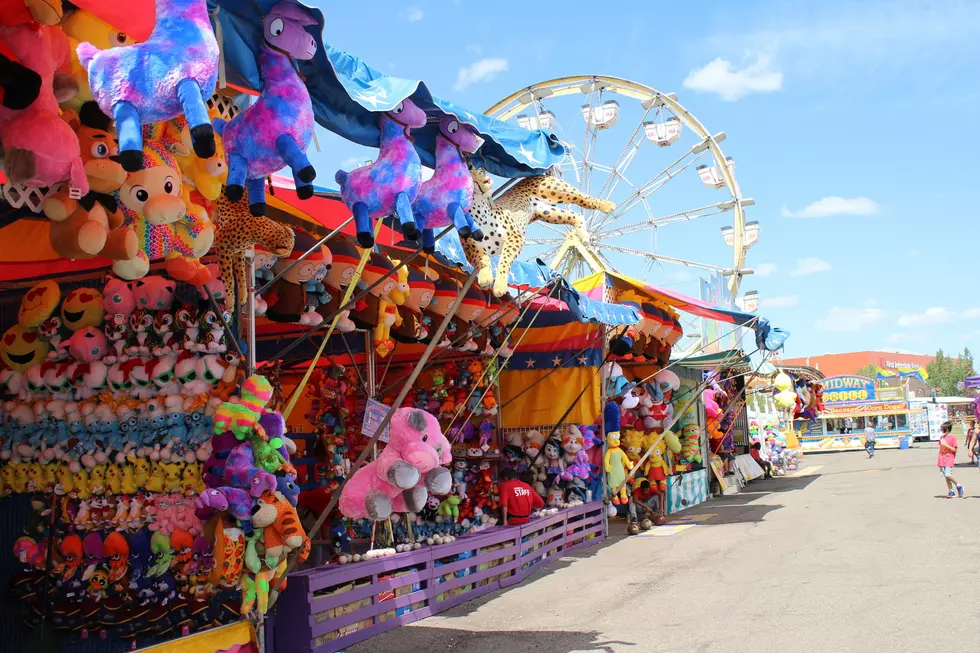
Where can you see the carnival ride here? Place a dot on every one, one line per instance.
(600, 169)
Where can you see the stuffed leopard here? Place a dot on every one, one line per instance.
(504, 221)
(237, 231)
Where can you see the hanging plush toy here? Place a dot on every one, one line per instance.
(41, 149)
(19, 85)
(286, 297)
(344, 257)
(617, 465)
(409, 467)
(446, 198)
(172, 73)
(391, 184)
(276, 130)
(237, 232)
(93, 225)
(155, 208)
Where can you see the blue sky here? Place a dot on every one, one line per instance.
(852, 125)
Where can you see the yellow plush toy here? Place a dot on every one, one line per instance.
(657, 469)
(20, 477)
(97, 480)
(81, 483)
(113, 479)
(173, 474)
(141, 470)
(65, 480)
(127, 480)
(156, 480)
(6, 480)
(192, 482)
(35, 477)
(617, 465)
(634, 441)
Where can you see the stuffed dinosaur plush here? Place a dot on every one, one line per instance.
(276, 130)
(170, 74)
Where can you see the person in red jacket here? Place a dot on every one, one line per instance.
(517, 499)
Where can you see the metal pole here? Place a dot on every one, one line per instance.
(602, 432)
(250, 338)
(315, 247)
(387, 419)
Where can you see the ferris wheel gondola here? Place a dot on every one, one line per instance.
(663, 123)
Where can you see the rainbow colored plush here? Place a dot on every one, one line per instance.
(172, 73)
(243, 418)
(276, 130)
(391, 184)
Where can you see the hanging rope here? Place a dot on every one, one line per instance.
(365, 256)
(335, 498)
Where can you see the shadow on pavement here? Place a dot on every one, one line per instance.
(492, 641)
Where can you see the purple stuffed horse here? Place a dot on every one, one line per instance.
(390, 184)
(170, 74)
(447, 197)
(276, 130)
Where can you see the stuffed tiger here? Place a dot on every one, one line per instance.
(283, 531)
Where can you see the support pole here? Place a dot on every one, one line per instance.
(250, 337)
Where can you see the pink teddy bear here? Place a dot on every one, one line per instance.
(405, 472)
(169, 513)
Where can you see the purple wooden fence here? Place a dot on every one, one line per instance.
(330, 608)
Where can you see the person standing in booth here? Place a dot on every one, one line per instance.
(517, 499)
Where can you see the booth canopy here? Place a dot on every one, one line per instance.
(595, 286)
(348, 94)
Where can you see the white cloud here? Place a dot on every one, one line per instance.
(413, 14)
(972, 313)
(807, 266)
(830, 206)
(930, 317)
(765, 269)
(730, 83)
(847, 320)
(479, 72)
(785, 301)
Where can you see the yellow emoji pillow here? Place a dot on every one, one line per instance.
(38, 304)
(82, 308)
(20, 348)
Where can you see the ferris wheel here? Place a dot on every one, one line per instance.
(667, 175)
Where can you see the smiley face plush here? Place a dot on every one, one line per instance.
(38, 304)
(21, 348)
(82, 308)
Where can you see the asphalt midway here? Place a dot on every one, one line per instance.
(852, 554)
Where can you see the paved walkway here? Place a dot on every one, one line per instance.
(851, 555)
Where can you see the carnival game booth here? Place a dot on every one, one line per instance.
(148, 492)
(851, 405)
(666, 406)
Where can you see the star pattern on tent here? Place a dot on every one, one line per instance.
(557, 361)
(530, 363)
(527, 154)
(582, 360)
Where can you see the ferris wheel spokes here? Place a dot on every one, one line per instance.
(672, 218)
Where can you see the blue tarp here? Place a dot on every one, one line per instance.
(347, 94)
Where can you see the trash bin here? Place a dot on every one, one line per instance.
(903, 443)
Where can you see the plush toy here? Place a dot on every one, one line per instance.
(276, 130)
(286, 298)
(40, 149)
(19, 85)
(93, 225)
(80, 26)
(421, 290)
(505, 219)
(241, 472)
(391, 184)
(154, 204)
(409, 467)
(446, 198)
(617, 465)
(238, 231)
(281, 529)
(345, 258)
(21, 348)
(172, 73)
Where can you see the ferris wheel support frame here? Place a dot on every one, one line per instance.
(649, 98)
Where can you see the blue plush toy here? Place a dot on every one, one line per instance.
(172, 73)
(288, 488)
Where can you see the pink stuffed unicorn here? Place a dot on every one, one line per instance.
(41, 149)
(408, 468)
(390, 184)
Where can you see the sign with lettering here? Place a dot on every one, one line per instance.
(890, 394)
(874, 408)
(374, 414)
(841, 389)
